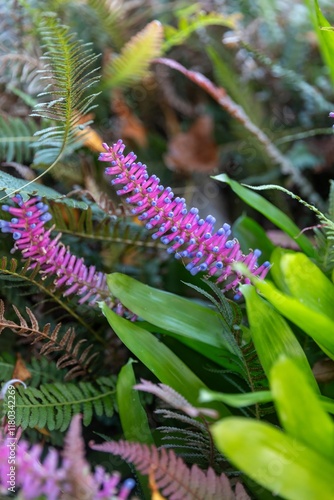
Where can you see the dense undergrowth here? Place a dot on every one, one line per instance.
(166, 315)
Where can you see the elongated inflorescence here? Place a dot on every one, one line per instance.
(36, 244)
(187, 235)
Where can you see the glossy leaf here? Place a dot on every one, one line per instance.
(275, 460)
(132, 414)
(306, 282)
(272, 335)
(158, 358)
(314, 323)
(236, 400)
(276, 216)
(299, 409)
(325, 37)
(190, 322)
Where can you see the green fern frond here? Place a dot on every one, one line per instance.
(52, 406)
(44, 371)
(107, 229)
(189, 24)
(111, 18)
(10, 185)
(68, 72)
(52, 341)
(132, 63)
(16, 139)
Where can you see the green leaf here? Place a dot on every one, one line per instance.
(314, 323)
(133, 62)
(299, 409)
(133, 416)
(201, 19)
(236, 400)
(158, 358)
(275, 460)
(10, 185)
(276, 216)
(251, 235)
(306, 282)
(325, 37)
(271, 334)
(188, 319)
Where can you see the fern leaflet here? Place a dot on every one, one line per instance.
(53, 405)
(54, 341)
(172, 475)
(132, 63)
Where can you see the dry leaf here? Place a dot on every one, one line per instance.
(90, 138)
(129, 126)
(20, 371)
(323, 370)
(195, 150)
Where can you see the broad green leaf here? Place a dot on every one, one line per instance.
(133, 416)
(276, 216)
(299, 409)
(236, 400)
(10, 184)
(275, 460)
(314, 323)
(272, 335)
(306, 282)
(168, 311)
(158, 358)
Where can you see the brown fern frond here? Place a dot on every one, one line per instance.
(53, 341)
(171, 475)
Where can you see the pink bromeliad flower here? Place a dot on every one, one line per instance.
(183, 231)
(54, 258)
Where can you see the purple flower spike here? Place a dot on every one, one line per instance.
(36, 244)
(185, 233)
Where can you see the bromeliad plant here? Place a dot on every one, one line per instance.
(236, 344)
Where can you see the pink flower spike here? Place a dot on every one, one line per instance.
(181, 230)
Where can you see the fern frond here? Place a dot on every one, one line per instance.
(52, 406)
(54, 341)
(13, 272)
(68, 72)
(16, 139)
(173, 398)
(107, 229)
(192, 438)
(248, 361)
(111, 18)
(132, 63)
(171, 474)
(44, 371)
(201, 19)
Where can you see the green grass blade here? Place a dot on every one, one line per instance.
(276, 216)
